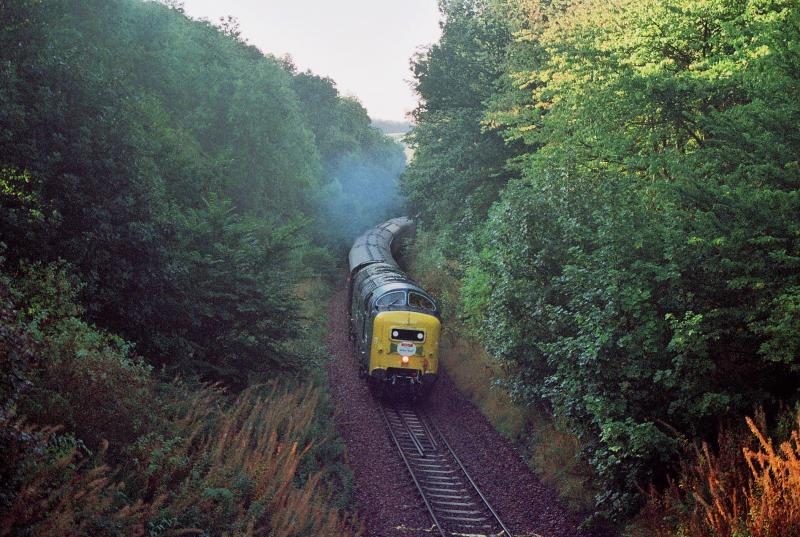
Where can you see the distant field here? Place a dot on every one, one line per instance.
(388, 126)
(399, 137)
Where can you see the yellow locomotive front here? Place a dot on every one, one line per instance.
(405, 348)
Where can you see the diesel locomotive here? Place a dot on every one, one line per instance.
(394, 323)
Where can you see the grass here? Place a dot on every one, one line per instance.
(552, 453)
(92, 442)
(468, 365)
(773, 493)
(748, 486)
(231, 470)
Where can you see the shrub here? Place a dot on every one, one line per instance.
(62, 495)
(17, 357)
(746, 487)
(105, 449)
(86, 380)
(641, 275)
(235, 471)
(227, 469)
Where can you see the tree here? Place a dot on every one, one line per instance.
(630, 275)
(459, 166)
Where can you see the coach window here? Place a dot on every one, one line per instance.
(395, 298)
(416, 300)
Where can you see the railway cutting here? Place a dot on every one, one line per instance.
(454, 502)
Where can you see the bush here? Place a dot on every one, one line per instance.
(85, 380)
(92, 444)
(641, 276)
(746, 486)
(234, 468)
(226, 469)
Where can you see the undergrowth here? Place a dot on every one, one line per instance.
(748, 486)
(93, 442)
(228, 469)
(551, 451)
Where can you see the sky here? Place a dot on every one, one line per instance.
(363, 45)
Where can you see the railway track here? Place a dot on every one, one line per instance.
(456, 505)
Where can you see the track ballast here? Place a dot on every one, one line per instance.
(455, 504)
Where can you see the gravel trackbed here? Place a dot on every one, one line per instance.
(385, 495)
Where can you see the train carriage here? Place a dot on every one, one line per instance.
(394, 322)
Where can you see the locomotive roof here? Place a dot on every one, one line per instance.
(379, 275)
(375, 246)
(378, 279)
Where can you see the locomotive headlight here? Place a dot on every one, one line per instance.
(404, 359)
(394, 333)
(420, 335)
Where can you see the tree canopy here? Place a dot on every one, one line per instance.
(638, 267)
(187, 177)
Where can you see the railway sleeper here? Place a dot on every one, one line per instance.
(454, 504)
(426, 464)
(463, 493)
(462, 512)
(453, 487)
(440, 477)
(438, 485)
(439, 471)
(445, 484)
(460, 518)
(465, 507)
(438, 499)
(428, 461)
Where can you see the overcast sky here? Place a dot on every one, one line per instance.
(364, 45)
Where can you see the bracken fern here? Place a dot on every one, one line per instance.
(233, 473)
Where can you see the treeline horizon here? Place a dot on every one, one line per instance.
(388, 126)
(616, 187)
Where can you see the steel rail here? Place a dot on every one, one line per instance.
(471, 482)
(411, 471)
(456, 506)
(428, 431)
(411, 434)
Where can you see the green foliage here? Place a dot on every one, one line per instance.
(640, 276)
(164, 187)
(188, 178)
(235, 305)
(18, 357)
(68, 388)
(91, 443)
(80, 378)
(457, 162)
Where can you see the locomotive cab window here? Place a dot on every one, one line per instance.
(401, 334)
(395, 298)
(416, 300)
